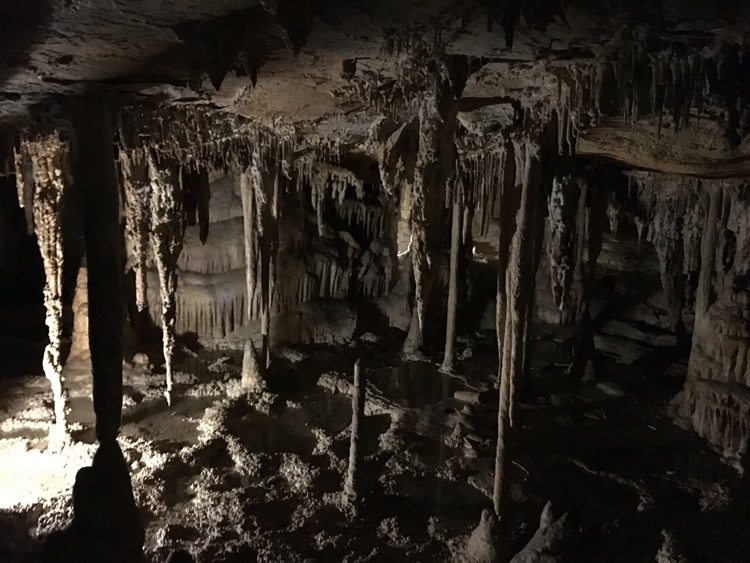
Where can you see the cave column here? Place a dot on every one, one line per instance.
(43, 172)
(260, 205)
(450, 324)
(96, 178)
(516, 270)
(167, 227)
(435, 166)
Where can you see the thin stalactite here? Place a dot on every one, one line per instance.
(166, 235)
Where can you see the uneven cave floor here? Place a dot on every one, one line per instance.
(233, 477)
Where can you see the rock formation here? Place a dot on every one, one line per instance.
(43, 173)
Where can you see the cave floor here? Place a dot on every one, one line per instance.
(236, 477)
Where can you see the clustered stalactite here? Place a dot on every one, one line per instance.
(196, 137)
(260, 202)
(673, 215)
(675, 81)
(166, 230)
(43, 174)
(137, 192)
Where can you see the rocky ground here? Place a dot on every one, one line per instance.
(235, 477)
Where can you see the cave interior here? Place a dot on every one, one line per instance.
(329, 280)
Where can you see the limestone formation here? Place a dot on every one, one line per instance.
(551, 542)
(484, 544)
(50, 175)
(165, 235)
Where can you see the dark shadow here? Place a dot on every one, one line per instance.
(106, 525)
(22, 23)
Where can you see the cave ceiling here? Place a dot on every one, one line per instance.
(333, 68)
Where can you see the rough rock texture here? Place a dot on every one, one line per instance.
(42, 174)
(483, 545)
(716, 392)
(548, 545)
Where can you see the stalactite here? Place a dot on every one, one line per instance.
(137, 188)
(326, 179)
(482, 170)
(673, 213)
(366, 215)
(24, 170)
(195, 136)
(166, 232)
(210, 305)
(50, 165)
(516, 263)
(260, 200)
(196, 194)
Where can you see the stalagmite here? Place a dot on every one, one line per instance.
(450, 323)
(352, 486)
(252, 379)
(137, 188)
(50, 161)
(515, 274)
(167, 229)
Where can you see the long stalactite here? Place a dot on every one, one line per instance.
(166, 235)
(49, 158)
